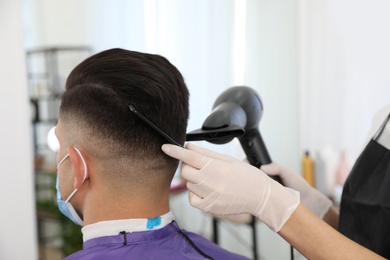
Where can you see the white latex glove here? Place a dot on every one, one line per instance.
(222, 185)
(310, 197)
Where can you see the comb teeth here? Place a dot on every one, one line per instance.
(157, 129)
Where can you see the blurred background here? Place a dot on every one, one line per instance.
(320, 67)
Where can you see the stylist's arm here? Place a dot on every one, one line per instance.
(222, 185)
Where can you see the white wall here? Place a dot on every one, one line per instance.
(345, 62)
(272, 69)
(17, 221)
(344, 73)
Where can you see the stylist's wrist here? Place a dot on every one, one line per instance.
(281, 204)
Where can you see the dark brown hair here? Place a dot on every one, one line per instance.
(100, 89)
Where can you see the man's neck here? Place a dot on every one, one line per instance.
(104, 208)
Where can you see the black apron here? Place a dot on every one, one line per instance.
(365, 203)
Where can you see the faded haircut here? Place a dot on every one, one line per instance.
(95, 107)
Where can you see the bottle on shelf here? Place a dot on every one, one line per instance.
(308, 169)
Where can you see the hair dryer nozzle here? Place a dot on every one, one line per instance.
(217, 136)
(226, 121)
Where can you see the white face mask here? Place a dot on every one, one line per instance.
(65, 207)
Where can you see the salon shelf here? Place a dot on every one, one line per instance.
(47, 69)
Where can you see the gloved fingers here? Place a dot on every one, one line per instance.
(189, 173)
(189, 157)
(198, 202)
(271, 169)
(216, 204)
(194, 199)
(209, 153)
(289, 178)
(245, 160)
(194, 175)
(207, 204)
(200, 190)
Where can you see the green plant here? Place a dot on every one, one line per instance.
(70, 233)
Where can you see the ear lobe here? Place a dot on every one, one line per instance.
(79, 167)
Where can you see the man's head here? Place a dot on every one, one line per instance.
(95, 117)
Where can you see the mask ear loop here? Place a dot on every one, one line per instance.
(85, 174)
(85, 165)
(63, 159)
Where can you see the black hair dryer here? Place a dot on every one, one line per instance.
(236, 113)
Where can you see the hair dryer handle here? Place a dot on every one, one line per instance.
(255, 150)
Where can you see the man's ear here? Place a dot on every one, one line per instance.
(79, 167)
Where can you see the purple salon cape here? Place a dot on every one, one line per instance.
(170, 242)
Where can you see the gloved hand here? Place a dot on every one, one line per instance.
(222, 185)
(311, 198)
